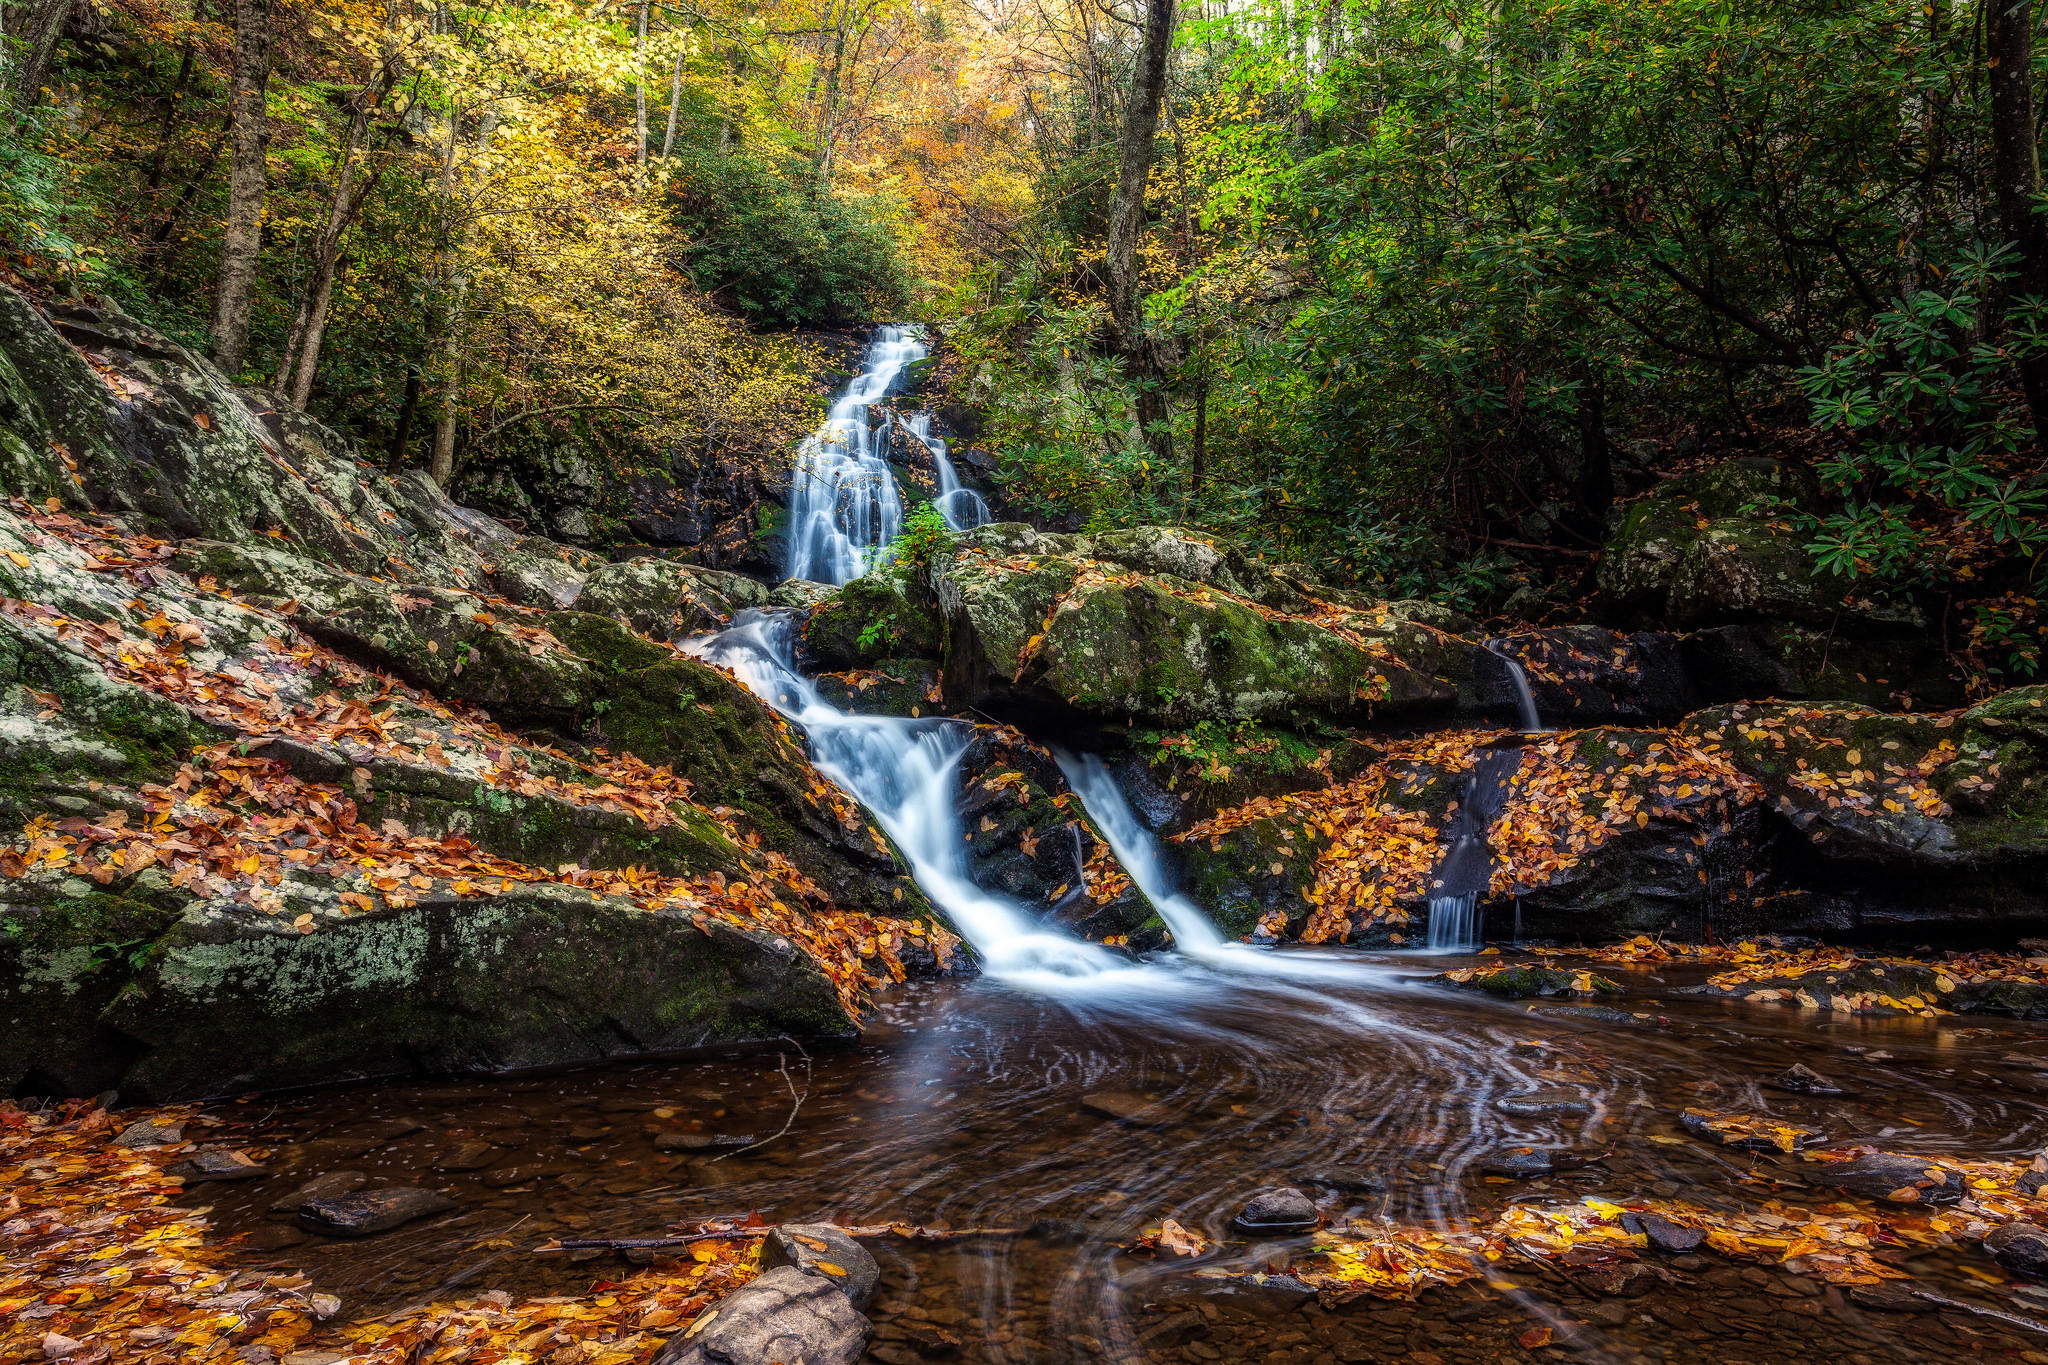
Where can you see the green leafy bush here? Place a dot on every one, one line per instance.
(763, 236)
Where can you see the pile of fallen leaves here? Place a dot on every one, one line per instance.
(96, 1264)
(1841, 980)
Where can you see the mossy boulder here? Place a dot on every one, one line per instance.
(1705, 545)
(874, 617)
(667, 600)
(540, 573)
(1525, 981)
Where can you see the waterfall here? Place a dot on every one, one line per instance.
(1465, 870)
(907, 773)
(1532, 723)
(1135, 849)
(961, 506)
(844, 508)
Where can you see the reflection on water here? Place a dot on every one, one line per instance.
(970, 1106)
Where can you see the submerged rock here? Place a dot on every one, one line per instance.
(217, 1163)
(1520, 983)
(825, 1251)
(368, 1212)
(1127, 1107)
(781, 1315)
(1526, 1163)
(2021, 1247)
(1894, 1178)
(1673, 1239)
(332, 1185)
(1539, 1103)
(1278, 1210)
(1802, 1079)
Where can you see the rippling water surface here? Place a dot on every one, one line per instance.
(969, 1106)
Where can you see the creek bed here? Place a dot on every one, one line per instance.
(969, 1106)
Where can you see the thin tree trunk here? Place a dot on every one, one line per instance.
(242, 243)
(1127, 224)
(395, 460)
(675, 98)
(160, 162)
(640, 93)
(828, 106)
(39, 35)
(2016, 171)
(302, 348)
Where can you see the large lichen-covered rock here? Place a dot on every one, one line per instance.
(870, 619)
(539, 573)
(225, 998)
(668, 600)
(1038, 622)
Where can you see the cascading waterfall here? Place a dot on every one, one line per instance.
(906, 773)
(844, 508)
(1532, 723)
(1467, 865)
(1092, 781)
(962, 507)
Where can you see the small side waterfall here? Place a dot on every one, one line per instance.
(962, 507)
(1134, 847)
(844, 508)
(1532, 723)
(1462, 875)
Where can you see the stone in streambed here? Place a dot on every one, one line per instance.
(780, 1315)
(2021, 1247)
(1281, 1209)
(1801, 1079)
(1344, 1182)
(702, 1142)
(328, 1186)
(1127, 1107)
(467, 1156)
(1539, 1103)
(151, 1133)
(828, 1252)
(1525, 1163)
(1673, 1239)
(2035, 1176)
(369, 1212)
(217, 1163)
(1520, 983)
(1897, 1179)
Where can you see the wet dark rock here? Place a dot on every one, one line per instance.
(1596, 1014)
(217, 1163)
(467, 1156)
(702, 1142)
(1537, 1103)
(391, 1130)
(2033, 1179)
(503, 1176)
(368, 1212)
(1342, 1181)
(1525, 1163)
(151, 1133)
(328, 1186)
(1059, 1232)
(1673, 1239)
(1127, 1107)
(2020, 1247)
(826, 1251)
(780, 1315)
(1278, 1210)
(273, 1237)
(1889, 1176)
(1802, 1079)
(1521, 983)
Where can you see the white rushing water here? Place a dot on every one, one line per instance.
(906, 773)
(1532, 722)
(962, 507)
(844, 509)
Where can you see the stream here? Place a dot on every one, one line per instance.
(1073, 1095)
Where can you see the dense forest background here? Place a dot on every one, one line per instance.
(1418, 293)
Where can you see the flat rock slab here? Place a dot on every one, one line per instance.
(1674, 1239)
(466, 1156)
(1538, 1103)
(1526, 1163)
(825, 1251)
(368, 1212)
(217, 1163)
(702, 1142)
(328, 1186)
(780, 1315)
(1126, 1106)
(1896, 1179)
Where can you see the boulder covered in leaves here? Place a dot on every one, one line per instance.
(667, 600)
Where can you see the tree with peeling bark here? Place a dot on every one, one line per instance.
(249, 134)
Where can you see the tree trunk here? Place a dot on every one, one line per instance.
(1127, 223)
(1593, 490)
(675, 98)
(828, 107)
(640, 93)
(39, 34)
(160, 163)
(242, 243)
(302, 348)
(2016, 171)
(394, 462)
